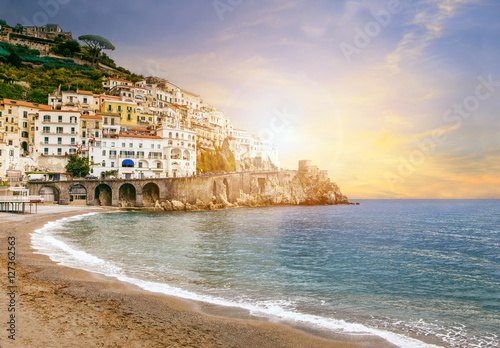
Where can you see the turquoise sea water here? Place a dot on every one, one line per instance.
(418, 273)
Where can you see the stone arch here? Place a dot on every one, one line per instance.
(150, 194)
(176, 154)
(186, 155)
(157, 165)
(78, 194)
(127, 195)
(102, 195)
(143, 164)
(49, 194)
(24, 146)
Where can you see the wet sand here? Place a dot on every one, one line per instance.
(57, 306)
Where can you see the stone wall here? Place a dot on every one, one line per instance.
(212, 192)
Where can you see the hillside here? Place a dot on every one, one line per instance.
(26, 75)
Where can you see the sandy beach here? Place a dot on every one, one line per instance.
(57, 306)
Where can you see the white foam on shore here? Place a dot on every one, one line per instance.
(65, 254)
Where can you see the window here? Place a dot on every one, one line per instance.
(129, 109)
(123, 144)
(45, 151)
(112, 121)
(112, 144)
(104, 152)
(119, 108)
(73, 130)
(140, 164)
(25, 114)
(140, 145)
(59, 130)
(129, 117)
(46, 140)
(97, 125)
(130, 145)
(11, 152)
(104, 144)
(72, 119)
(110, 108)
(84, 135)
(59, 151)
(59, 141)
(59, 118)
(105, 120)
(104, 163)
(24, 134)
(25, 124)
(85, 100)
(72, 151)
(112, 164)
(84, 124)
(46, 118)
(73, 141)
(97, 134)
(152, 146)
(46, 130)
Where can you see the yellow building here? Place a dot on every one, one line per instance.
(127, 111)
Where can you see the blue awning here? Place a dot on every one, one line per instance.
(127, 163)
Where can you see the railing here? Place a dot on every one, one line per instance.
(20, 198)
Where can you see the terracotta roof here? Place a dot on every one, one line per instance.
(91, 116)
(23, 103)
(59, 111)
(84, 92)
(111, 78)
(140, 136)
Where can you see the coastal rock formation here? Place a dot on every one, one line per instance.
(287, 189)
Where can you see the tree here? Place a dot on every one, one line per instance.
(14, 59)
(18, 28)
(67, 49)
(96, 44)
(78, 166)
(3, 22)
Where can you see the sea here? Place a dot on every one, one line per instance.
(416, 273)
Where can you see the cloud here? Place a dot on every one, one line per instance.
(429, 23)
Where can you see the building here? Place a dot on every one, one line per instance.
(125, 109)
(82, 101)
(171, 153)
(57, 133)
(17, 133)
(48, 31)
(111, 82)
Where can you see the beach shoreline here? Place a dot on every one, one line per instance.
(59, 306)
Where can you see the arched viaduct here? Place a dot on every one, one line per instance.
(145, 192)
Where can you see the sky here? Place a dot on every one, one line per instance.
(396, 99)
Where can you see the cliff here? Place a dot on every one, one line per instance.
(286, 188)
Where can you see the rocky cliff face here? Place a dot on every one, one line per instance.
(293, 190)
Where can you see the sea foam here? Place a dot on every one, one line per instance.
(61, 252)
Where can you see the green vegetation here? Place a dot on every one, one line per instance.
(78, 166)
(69, 48)
(44, 80)
(95, 44)
(214, 161)
(10, 91)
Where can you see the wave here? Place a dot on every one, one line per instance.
(60, 252)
